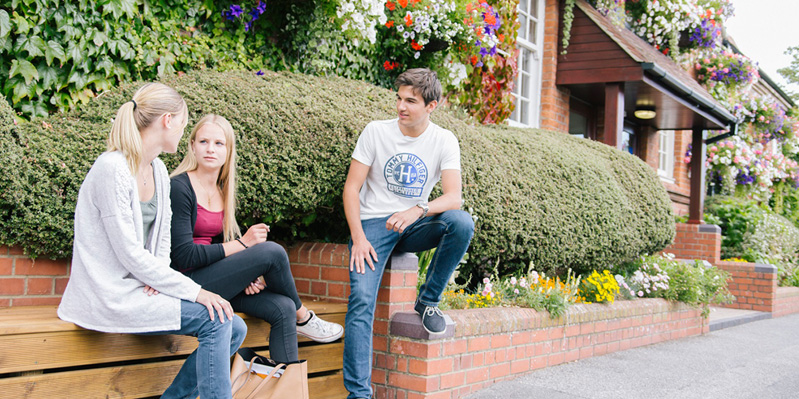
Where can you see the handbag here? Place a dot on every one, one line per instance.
(283, 381)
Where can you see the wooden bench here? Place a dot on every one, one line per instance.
(42, 356)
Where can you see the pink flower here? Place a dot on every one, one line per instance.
(713, 148)
(736, 159)
(758, 152)
(516, 291)
(513, 281)
(687, 160)
(640, 293)
(730, 144)
(486, 280)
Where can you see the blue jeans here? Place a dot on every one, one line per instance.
(449, 232)
(207, 370)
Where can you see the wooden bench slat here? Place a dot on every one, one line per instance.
(135, 381)
(34, 319)
(48, 350)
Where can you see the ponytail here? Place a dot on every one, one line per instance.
(148, 103)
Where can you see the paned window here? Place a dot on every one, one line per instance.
(666, 154)
(527, 91)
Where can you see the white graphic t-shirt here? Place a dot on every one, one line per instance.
(403, 170)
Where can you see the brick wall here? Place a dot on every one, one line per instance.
(754, 285)
(25, 281)
(787, 301)
(554, 100)
(697, 241)
(489, 346)
(321, 270)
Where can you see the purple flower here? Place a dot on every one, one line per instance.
(234, 12)
(259, 73)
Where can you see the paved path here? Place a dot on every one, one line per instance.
(758, 360)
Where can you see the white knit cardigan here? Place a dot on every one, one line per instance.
(110, 264)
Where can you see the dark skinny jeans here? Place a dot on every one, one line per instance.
(277, 304)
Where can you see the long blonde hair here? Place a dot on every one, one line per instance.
(148, 104)
(226, 181)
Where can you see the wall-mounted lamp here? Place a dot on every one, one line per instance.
(645, 112)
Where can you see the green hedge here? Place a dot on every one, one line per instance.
(541, 196)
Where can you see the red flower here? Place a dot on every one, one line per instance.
(390, 5)
(390, 24)
(474, 59)
(388, 65)
(490, 19)
(416, 46)
(408, 19)
(403, 3)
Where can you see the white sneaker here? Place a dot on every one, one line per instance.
(320, 330)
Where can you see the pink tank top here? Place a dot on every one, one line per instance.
(208, 225)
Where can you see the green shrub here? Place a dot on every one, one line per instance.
(696, 284)
(753, 232)
(737, 217)
(542, 196)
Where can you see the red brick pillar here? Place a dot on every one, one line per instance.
(697, 241)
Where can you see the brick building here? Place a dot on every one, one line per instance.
(605, 76)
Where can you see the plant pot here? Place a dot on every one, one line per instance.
(435, 45)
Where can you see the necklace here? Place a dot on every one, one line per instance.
(207, 194)
(144, 176)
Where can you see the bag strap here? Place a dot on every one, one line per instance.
(266, 379)
(248, 373)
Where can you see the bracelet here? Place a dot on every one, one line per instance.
(242, 243)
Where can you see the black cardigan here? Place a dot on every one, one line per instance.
(186, 255)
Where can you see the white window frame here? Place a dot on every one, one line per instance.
(536, 51)
(666, 155)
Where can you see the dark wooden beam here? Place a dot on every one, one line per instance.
(697, 201)
(614, 113)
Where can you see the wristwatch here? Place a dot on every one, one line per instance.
(424, 208)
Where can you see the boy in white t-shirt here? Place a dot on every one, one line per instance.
(395, 165)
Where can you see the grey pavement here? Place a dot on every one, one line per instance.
(758, 360)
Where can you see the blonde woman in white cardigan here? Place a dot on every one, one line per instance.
(121, 280)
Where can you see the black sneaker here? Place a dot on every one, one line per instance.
(432, 318)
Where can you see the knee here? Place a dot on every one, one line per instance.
(361, 294)
(269, 250)
(285, 311)
(460, 223)
(267, 253)
(239, 330)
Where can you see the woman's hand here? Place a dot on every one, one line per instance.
(255, 287)
(215, 302)
(256, 234)
(150, 291)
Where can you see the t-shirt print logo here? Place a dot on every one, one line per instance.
(406, 175)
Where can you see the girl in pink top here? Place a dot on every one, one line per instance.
(252, 273)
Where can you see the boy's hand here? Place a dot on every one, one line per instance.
(401, 220)
(362, 250)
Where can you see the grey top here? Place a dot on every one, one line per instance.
(110, 265)
(148, 211)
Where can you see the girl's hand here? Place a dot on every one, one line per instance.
(216, 303)
(150, 291)
(256, 234)
(255, 287)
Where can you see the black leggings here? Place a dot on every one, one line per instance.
(277, 304)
